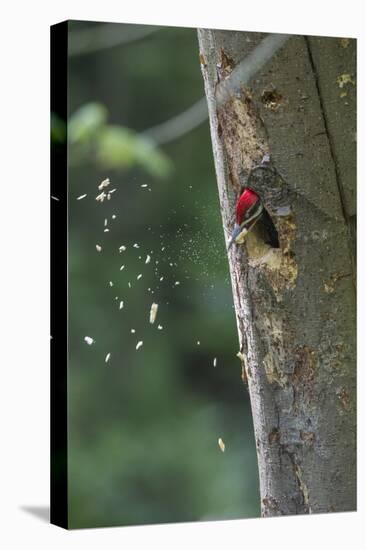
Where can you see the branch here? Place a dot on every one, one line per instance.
(179, 125)
(250, 65)
(197, 113)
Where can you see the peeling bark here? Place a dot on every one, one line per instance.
(295, 305)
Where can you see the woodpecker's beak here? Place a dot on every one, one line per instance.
(247, 225)
(236, 232)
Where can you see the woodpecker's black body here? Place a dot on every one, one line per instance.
(270, 230)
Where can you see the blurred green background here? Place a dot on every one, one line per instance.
(144, 426)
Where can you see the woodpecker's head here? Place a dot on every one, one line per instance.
(246, 200)
(248, 209)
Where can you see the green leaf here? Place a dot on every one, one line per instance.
(86, 122)
(116, 147)
(152, 159)
(119, 147)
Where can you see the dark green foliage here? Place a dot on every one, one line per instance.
(144, 426)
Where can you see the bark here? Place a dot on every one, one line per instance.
(295, 305)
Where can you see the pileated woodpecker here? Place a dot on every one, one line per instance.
(249, 209)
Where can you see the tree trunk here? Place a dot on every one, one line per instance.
(295, 305)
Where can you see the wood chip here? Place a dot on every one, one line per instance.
(221, 444)
(100, 197)
(104, 184)
(153, 312)
(139, 344)
(81, 197)
(107, 357)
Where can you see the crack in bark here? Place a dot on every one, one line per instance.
(347, 219)
(325, 121)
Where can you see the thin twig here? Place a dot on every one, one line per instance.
(179, 125)
(250, 65)
(196, 114)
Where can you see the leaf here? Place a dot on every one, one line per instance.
(116, 147)
(85, 123)
(119, 147)
(152, 159)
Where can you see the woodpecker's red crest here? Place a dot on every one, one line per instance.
(244, 202)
